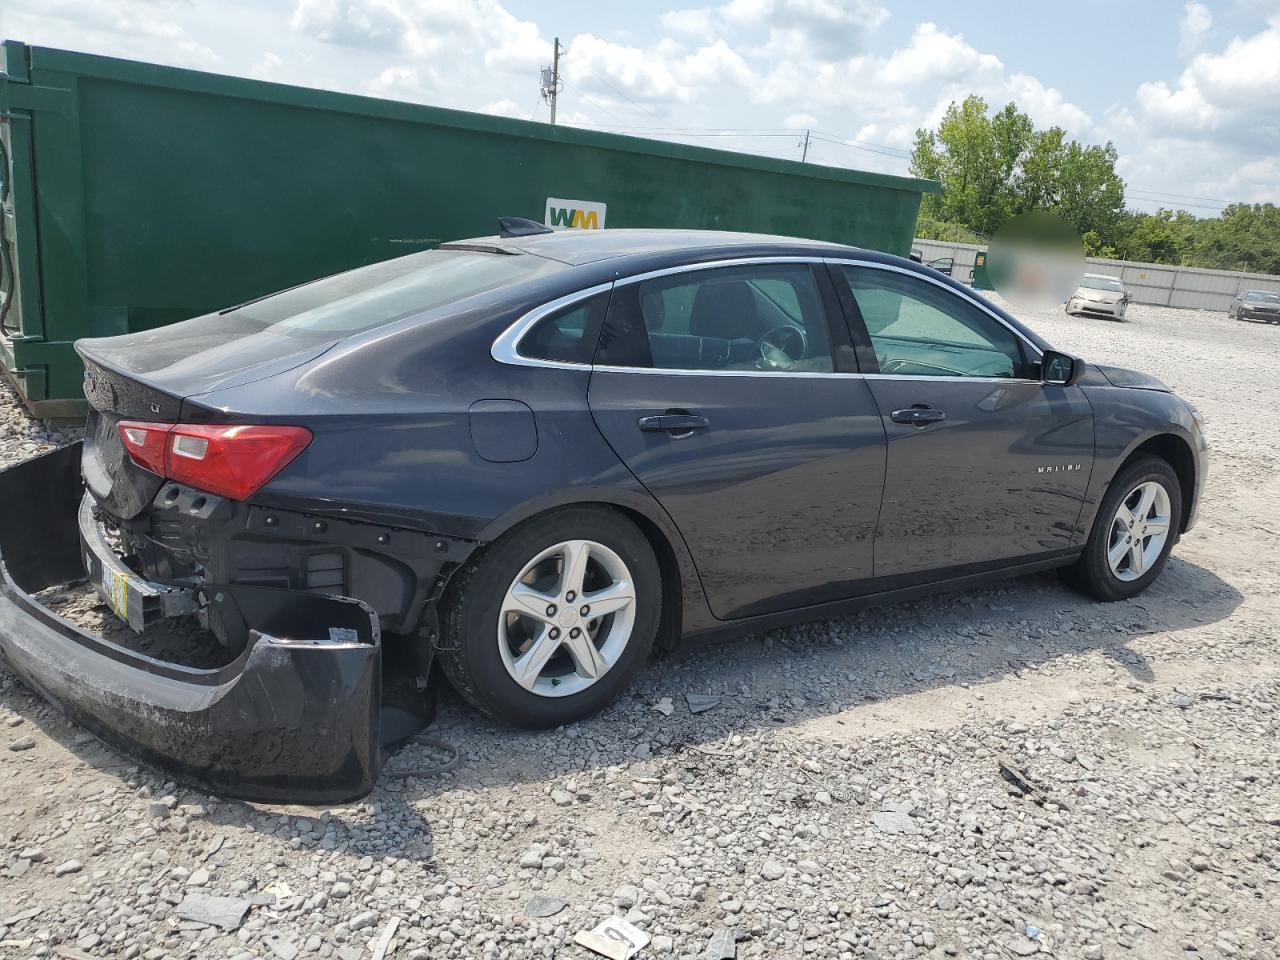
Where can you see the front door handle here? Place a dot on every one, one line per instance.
(676, 424)
(918, 416)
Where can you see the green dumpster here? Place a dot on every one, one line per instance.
(979, 277)
(136, 195)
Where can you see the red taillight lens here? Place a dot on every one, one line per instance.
(232, 461)
(145, 443)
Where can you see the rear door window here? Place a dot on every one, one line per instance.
(757, 318)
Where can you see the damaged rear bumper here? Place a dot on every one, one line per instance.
(294, 718)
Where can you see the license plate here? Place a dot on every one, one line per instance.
(115, 590)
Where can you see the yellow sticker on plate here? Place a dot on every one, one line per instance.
(118, 594)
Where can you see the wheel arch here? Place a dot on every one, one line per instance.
(1175, 451)
(684, 604)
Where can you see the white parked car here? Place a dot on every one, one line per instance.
(1099, 295)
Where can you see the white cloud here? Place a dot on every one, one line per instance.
(601, 66)
(143, 29)
(715, 63)
(1236, 91)
(1046, 105)
(823, 30)
(269, 67)
(505, 108)
(479, 29)
(404, 83)
(799, 121)
(697, 22)
(1196, 23)
(933, 57)
(377, 24)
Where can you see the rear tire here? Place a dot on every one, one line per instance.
(514, 639)
(1123, 558)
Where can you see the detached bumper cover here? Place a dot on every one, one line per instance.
(294, 718)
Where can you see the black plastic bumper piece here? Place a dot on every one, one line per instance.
(294, 718)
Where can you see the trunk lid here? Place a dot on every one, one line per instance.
(126, 379)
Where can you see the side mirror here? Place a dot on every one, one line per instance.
(1061, 369)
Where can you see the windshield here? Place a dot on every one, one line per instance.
(1263, 295)
(1102, 283)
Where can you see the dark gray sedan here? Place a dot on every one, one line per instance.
(537, 456)
(1262, 305)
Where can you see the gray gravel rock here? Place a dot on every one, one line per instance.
(1151, 726)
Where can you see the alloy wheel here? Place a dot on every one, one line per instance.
(566, 618)
(1139, 531)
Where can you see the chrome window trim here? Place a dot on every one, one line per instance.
(838, 374)
(506, 349)
(716, 265)
(843, 261)
(681, 372)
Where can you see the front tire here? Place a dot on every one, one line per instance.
(1133, 532)
(551, 621)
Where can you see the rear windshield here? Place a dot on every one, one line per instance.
(288, 327)
(371, 296)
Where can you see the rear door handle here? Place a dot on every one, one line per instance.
(676, 424)
(918, 416)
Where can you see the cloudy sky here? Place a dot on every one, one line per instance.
(1189, 92)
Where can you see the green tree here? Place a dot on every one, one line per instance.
(1243, 237)
(995, 166)
(973, 156)
(1160, 237)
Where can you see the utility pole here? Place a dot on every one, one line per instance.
(804, 156)
(551, 80)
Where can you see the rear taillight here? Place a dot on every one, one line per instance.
(230, 460)
(145, 443)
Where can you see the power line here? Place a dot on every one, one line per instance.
(623, 94)
(1133, 195)
(865, 144)
(775, 131)
(595, 103)
(868, 148)
(688, 132)
(1166, 202)
(1181, 196)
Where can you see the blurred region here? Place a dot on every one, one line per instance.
(1035, 260)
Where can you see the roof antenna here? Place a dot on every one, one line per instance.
(520, 227)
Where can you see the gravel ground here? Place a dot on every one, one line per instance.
(845, 798)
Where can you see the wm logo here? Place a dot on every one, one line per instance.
(565, 214)
(567, 217)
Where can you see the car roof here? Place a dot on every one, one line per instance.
(578, 247)
(1270, 292)
(1105, 276)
